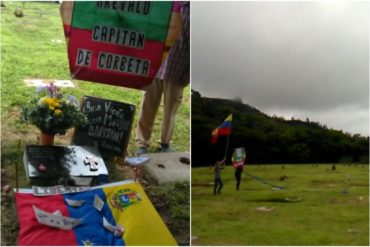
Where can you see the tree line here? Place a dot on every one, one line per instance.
(269, 140)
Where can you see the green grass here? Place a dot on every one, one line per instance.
(325, 216)
(28, 51)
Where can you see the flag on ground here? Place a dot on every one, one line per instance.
(223, 130)
(101, 208)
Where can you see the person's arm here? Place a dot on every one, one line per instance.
(222, 162)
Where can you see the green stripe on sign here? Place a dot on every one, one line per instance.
(153, 21)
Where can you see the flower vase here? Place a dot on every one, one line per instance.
(46, 139)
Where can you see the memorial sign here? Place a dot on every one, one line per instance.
(238, 157)
(118, 43)
(109, 125)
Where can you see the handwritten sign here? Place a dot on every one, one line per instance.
(118, 43)
(109, 125)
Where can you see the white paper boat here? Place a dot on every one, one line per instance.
(55, 219)
(117, 230)
(75, 203)
(137, 160)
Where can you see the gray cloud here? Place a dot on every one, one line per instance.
(290, 57)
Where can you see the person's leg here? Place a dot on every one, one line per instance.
(215, 186)
(221, 185)
(237, 175)
(149, 107)
(172, 94)
(240, 178)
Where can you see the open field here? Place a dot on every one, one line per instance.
(33, 47)
(334, 209)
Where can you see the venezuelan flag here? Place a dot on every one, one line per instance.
(223, 130)
(125, 204)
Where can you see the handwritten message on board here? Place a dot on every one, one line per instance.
(109, 125)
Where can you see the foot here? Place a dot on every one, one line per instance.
(141, 150)
(165, 148)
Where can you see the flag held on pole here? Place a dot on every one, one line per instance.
(223, 130)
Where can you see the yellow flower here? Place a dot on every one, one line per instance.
(43, 102)
(51, 103)
(57, 112)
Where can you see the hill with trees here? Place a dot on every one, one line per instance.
(269, 140)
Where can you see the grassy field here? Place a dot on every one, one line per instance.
(34, 47)
(334, 209)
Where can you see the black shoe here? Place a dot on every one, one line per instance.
(165, 148)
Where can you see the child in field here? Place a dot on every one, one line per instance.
(217, 171)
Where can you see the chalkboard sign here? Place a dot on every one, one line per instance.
(109, 125)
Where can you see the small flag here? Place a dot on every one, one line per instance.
(223, 130)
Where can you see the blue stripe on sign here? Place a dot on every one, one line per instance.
(92, 228)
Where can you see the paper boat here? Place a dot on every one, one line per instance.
(55, 219)
(137, 160)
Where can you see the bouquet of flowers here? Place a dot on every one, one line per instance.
(52, 113)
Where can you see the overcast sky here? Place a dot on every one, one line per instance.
(291, 59)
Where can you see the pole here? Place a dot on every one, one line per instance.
(227, 145)
(16, 168)
(16, 176)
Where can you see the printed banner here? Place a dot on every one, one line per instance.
(100, 212)
(238, 157)
(119, 43)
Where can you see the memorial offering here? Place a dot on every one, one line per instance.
(52, 113)
(112, 214)
(53, 163)
(109, 125)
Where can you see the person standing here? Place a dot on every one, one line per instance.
(218, 181)
(238, 159)
(172, 77)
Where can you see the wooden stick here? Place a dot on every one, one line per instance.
(136, 173)
(16, 175)
(16, 168)
(227, 145)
